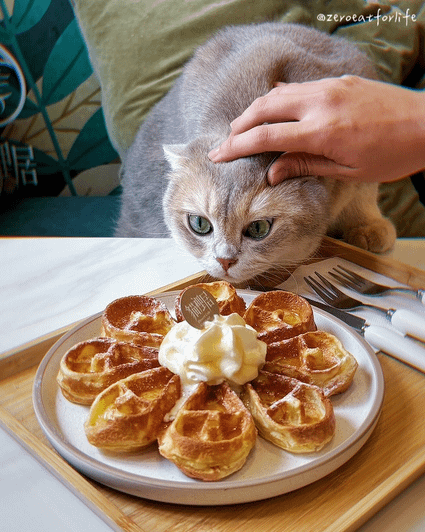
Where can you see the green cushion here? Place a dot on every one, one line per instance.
(61, 216)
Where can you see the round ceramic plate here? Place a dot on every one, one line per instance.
(268, 471)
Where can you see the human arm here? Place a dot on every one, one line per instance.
(347, 127)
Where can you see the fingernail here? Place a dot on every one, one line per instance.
(274, 176)
(213, 155)
(271, 180)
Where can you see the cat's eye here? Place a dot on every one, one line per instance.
(199, 224)
(258, 229)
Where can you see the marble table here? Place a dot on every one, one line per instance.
(47, 283)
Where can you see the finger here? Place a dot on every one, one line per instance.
(271, 108)
(290, 165)
(281, 137)
(307, 87)
(286, 102)
(256, 140)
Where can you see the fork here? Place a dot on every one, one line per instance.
(360, 284)
(403, 320)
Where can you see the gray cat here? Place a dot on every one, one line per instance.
(226, 214)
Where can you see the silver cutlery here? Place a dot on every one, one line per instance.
(360, 284)
(381, 338)
(403, 320)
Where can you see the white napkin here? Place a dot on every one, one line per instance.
(394, 300)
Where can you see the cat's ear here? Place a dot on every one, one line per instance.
(174, 155)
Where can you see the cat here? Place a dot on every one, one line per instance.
(226, 214)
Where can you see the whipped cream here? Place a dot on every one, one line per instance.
(226, 349)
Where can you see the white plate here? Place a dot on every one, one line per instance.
(269, 471)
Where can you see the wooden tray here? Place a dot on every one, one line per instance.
(393, 457)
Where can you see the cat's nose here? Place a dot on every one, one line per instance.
(226, 263)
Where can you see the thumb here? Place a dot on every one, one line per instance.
(290, 165)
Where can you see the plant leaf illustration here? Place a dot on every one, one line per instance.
(11, 100)
(67, 66)
(27, 13)
(46, 165)
(92, 147)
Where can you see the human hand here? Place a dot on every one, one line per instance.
(347, 128)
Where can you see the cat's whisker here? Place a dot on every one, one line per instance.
(272, 278)
(205, 278)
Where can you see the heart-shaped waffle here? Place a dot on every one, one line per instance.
(141, 320)
(91, 366)
(223, 292)
(212, 434)
(128, 415)
(291, 414)
(277, 315)
(316, 357)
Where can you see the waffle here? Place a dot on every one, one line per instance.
(135, 401)
(141, 320)
(316, 357)
(291, 414)
(128, 415)
(91, 366)
(225, 295)
(278, 315)
(212, 434)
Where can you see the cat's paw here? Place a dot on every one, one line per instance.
(378, 236)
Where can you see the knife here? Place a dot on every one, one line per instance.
(390, 342)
